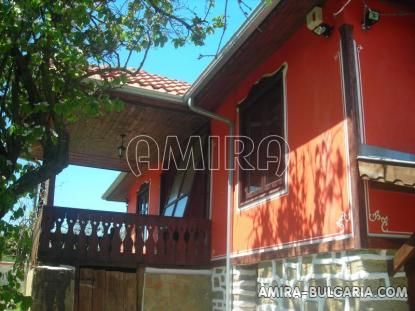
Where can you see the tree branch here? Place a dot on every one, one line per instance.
(55, 159)
(177, 19)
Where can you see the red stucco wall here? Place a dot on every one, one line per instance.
(152, 176)
(388, 82)
(318, 183)
(317, 174)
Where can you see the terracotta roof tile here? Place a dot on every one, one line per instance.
(150, 81)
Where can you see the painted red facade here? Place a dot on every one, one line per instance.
(316, 206)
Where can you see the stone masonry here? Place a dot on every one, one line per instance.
(363, 268)
(359, 268)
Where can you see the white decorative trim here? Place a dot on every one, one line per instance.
(389, 233)
(263, 199)
(357, 49)
(384, 220)
(344, 217)
(276, 247)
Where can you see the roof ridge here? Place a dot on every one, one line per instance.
(146, 80)
(160, 76)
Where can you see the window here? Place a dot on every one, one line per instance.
(142, 199)
(178, 196)
(262, 114)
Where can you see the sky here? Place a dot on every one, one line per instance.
(82, 187)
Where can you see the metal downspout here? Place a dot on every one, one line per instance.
(230, 125)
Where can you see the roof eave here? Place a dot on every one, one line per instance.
(240, 36)
(243, 33)
(107, 194)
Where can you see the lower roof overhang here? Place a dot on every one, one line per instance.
(94, 141)
(386, 166)
(118, 191)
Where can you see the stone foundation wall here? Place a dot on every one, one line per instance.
(365, 268)
(362, 268)
(218, 288)
(244, 288)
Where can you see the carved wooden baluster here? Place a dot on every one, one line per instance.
(125, 247)
(181, 245)
(115, 242)
(110, 237)
(175, 242)
(96, 239)
(199, 240)
(156, 241)
(56, 240)
(64, 231)
(139, 244)
(164, 231)
(120, 237)
(105, 241)
(170, 242)
(133, 236)
(88, 234)
(82, 239)
(67, 251)
(76, 231)
(191, 245)
(128, 243)
(51, 243)
(149, 243)
(161, 243)
(93, 242)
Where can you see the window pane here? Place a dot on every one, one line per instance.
(254, 131)
(188, 181)
(180, 207)
(274, 150)
(262, 115)
(168, 211)
(142, 200)
(143, 207)
(176, 187)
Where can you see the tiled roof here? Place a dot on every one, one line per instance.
(386, 165)
(149, 81)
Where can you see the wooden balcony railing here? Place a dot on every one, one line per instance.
(87, 237)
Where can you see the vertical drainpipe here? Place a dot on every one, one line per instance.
(230, 125)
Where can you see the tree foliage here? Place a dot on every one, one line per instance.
(46, 52)
(15, 246)
(49, 51)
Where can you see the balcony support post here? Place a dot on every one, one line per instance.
(50, 190)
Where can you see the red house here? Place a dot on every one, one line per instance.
(334, 81)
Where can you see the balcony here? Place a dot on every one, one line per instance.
(86, 237)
